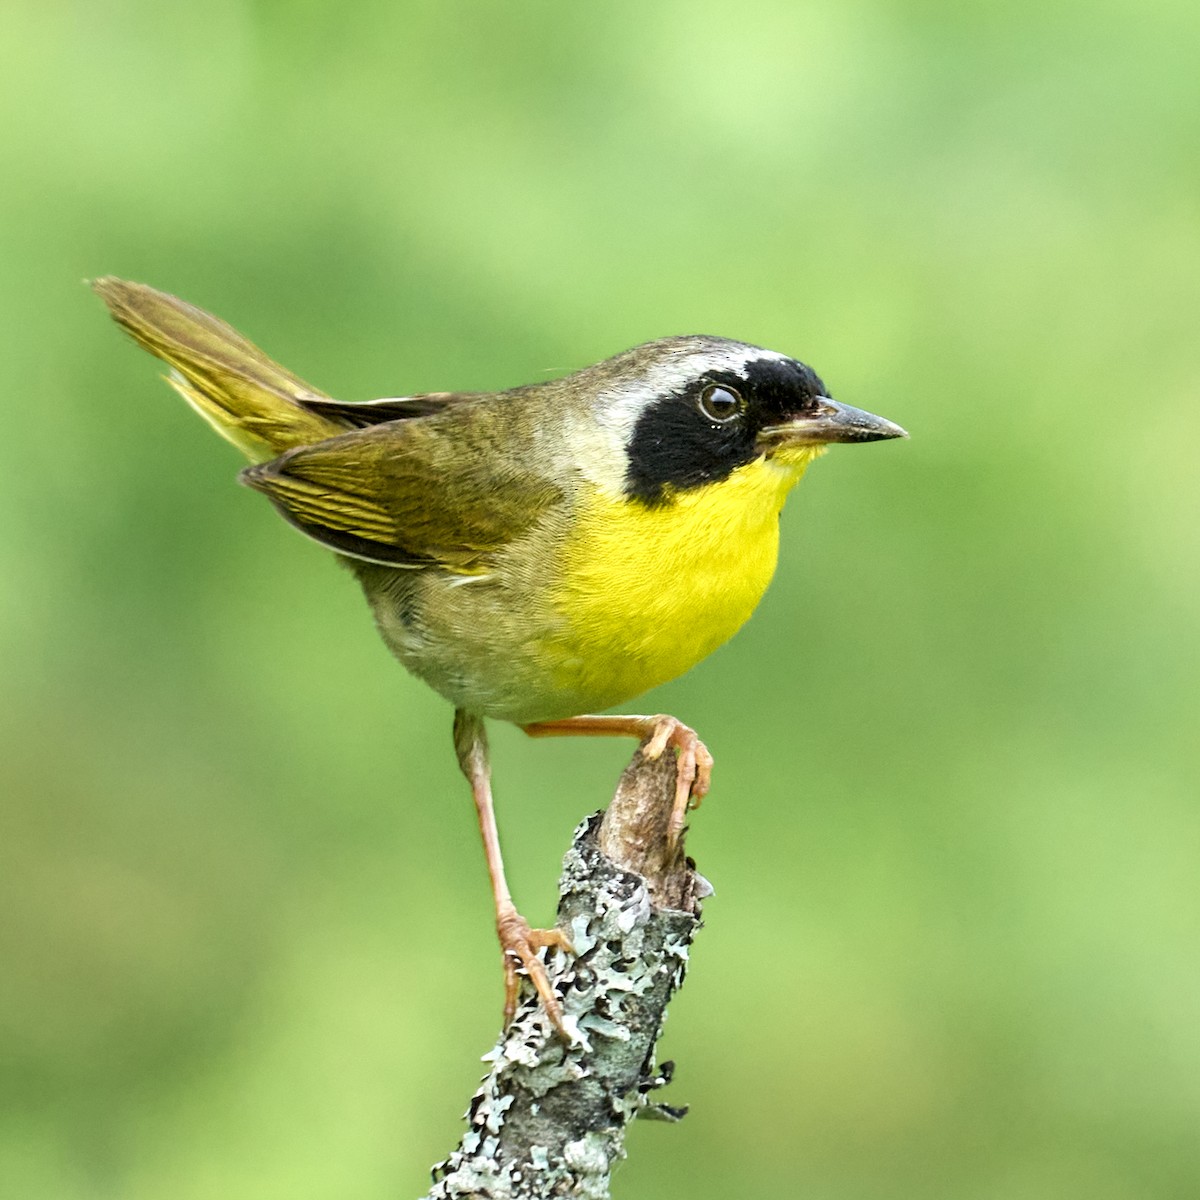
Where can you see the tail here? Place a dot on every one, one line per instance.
(230, 382)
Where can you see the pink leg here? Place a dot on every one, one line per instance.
(518, 942)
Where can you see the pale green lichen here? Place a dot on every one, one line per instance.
(550, 1119)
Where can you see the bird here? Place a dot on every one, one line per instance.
(538, 554)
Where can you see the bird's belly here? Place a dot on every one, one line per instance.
(646, 593)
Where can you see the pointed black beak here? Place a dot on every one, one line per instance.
(829, 421)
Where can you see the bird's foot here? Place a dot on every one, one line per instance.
(693, 766)
(693, 770)
(519, 945)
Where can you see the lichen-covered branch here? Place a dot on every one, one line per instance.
(549, 1119)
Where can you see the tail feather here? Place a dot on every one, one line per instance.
(249, 399)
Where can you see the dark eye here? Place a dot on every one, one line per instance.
(719, 403)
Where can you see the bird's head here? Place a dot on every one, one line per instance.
(691, 410)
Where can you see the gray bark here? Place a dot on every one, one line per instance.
(549, 1119)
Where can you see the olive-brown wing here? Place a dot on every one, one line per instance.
(447, 490)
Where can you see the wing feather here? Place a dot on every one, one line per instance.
(436, 491)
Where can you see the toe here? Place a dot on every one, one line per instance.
(664, 732)
(552, 939)
(511, 988)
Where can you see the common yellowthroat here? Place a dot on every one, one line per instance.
(537, 553)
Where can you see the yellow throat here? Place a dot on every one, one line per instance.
(649, 591)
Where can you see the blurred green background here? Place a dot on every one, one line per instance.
(246, 948)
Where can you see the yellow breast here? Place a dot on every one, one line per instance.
(646, 592)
